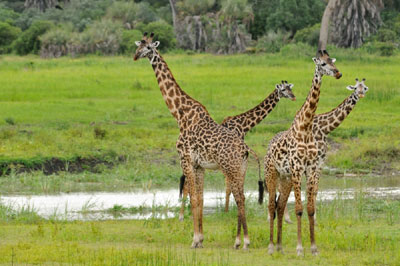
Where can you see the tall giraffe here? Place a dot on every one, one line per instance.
(293, 153)
(243, 123)
(325, 123)
(202, 144)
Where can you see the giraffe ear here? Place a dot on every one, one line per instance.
(350, 88)
(333, 60)
(291, 85)
(277, 86)
(155, 44)
(315, 60)
(138, 43)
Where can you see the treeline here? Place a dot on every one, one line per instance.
(54, 28)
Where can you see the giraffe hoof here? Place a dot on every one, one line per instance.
(314, 250)
(288, 221)
(270, 249)
(300, 251)
(237, 243)
(196, 245)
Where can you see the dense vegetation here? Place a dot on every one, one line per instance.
(76, 27)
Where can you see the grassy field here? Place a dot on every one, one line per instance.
(362, 231)
(109, 111)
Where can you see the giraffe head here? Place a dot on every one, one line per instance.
(285, 90)
(326, 65)
(359, 88)
(146, 47)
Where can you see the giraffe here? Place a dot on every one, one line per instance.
(243, 123)
(202, 144)
(293, 153)
(325, 123)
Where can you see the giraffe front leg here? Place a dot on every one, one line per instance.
(296, 182)
(312, 185)
(227, 194)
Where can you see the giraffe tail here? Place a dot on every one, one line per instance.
(181, 185)
(260, 182)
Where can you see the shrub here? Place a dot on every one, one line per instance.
(29, 41)
(385, 35)
(125, 12)
(8, 34)
(55, 43)
(129, 37)
(103, 36)
(272, 42)
(7, 14)
(309, 35)
(163, 33)
(383, 48)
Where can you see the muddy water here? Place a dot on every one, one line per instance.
(91, 206)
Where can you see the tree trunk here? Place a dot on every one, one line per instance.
(325, 22)
(173, 9)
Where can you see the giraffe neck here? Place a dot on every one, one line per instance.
(179, 103)
(243, 122)
(329, 121)
(305, 116)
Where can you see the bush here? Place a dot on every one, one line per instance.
(125, 12)
(29, 41)
(102, 37)
(129, 37)
(385, 35)
(7, 14)
(272, 42)
(309, 35)
(55, 43)
(8, 34)
(383, 48)
(163, 33)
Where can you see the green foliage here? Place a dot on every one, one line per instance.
(195, 7)
(288, 15)
(383, 48)
(386, 35)
(8, 34)
(28, 41)
(129, 37)
(309, 35)
(7, 15)
(272, 42)
(54, 43)
(164, 33)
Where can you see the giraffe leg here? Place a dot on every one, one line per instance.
(296, 182)
(188, 171)
(227, 194)
(285, 188)
(184, 197)
(318, 174)
(238, 194)
(270, 180)
(200, 186)
(312, 185)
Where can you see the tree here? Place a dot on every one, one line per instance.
(352, 21)
(42, 5)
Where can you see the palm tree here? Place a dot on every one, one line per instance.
(351, 20)
(42, 5)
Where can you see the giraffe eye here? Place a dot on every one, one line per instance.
(323, 64)
(148, 47)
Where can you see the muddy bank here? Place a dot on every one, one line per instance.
(55, 165)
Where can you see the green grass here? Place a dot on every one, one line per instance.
(105, 107)
(363, 231)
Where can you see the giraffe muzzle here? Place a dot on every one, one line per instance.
(338, 75)
(135, 58)
(294, 99)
